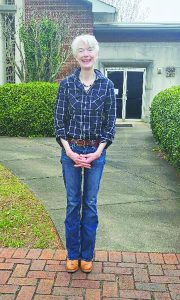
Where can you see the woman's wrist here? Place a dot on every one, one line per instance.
(66, 147)
(98, 153)
(68, 151)
(101, 148)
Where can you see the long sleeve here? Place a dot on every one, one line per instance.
(109, 116)
(61, 114)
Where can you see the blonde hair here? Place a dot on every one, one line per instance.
(87, 39)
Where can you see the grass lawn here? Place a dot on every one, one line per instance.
(24, 221)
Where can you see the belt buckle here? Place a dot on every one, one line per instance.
(80, 142)
(73, 141)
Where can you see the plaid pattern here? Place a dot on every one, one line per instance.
(81, 114)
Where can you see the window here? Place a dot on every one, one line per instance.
(10, 2)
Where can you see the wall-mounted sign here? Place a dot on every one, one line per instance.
(170, 71)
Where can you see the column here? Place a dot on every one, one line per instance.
(2, 51)
(18, 15)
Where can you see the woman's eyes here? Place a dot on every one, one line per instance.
(88, 49)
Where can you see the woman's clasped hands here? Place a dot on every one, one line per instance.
(83, 160)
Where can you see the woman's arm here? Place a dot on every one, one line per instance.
(109, 116)
(60, 119)
(61, 113)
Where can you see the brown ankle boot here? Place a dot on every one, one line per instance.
(86, 266)
(72, 265)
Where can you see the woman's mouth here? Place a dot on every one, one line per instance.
(86, 61)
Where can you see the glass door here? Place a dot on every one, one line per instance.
(117, 78)
(129, 89)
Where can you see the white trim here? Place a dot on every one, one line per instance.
(18, 15)
(124, 95)
(3, 54)
(144, 95)
(123, 69)
(99, 6)
(7, 8)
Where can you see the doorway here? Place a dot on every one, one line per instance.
(129, 89)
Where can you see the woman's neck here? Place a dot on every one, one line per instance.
(87, 76)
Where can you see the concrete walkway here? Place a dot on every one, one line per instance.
(139, 199)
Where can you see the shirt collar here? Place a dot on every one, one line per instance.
(99, 75)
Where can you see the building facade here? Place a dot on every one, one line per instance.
(141, 59)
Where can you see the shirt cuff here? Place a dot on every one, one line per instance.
(103, 140)
(58, 140)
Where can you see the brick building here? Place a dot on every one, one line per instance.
(78, 13)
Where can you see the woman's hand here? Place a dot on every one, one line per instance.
(88, 158)
(79, 159)
(91, 156)
(84, 160)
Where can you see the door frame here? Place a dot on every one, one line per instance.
(124, 95)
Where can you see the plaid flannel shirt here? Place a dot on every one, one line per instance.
(81, 114)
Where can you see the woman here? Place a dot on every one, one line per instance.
(85, 114)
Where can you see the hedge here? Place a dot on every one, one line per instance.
(27, 109)
(165, 123)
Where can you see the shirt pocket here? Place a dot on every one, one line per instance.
(97, 100)
(75, 102)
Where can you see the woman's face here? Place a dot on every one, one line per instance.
(86, 55)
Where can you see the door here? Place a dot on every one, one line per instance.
(129, 89)
(117, 79)
(134, 95)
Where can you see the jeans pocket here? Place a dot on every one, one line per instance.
(64, 157)
(101, 159)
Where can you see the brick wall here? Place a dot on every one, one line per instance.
(77, 12)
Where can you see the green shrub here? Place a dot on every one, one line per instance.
(27, 109)
(165, 122)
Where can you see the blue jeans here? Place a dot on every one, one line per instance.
(81, 212)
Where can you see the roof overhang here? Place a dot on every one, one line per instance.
(137, 32)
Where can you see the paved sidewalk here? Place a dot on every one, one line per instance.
(139, 198)
(138, 241)
(40, 275)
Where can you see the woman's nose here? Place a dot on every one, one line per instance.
(85, 52)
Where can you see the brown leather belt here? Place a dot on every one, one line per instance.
(83, 143)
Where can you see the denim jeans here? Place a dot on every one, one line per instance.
(81, 220)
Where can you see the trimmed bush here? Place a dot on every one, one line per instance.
(165, 123)
(27, 109)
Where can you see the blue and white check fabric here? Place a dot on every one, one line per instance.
(81, 114)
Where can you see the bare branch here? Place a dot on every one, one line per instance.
(129, 10)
